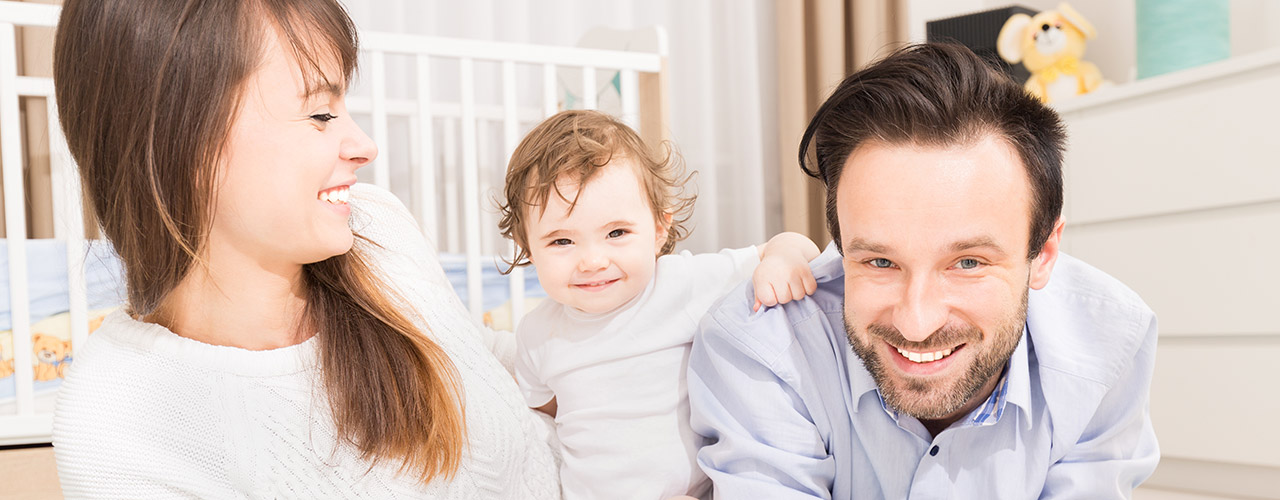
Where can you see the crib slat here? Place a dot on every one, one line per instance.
(378, 85)
(510, 137)
(34, 86)
(589, 88)
(470, 188)
(450, 171)
(549, 98)
(487, 144)
(69, 225)
(629, 92)
(402, 43)
(15, 222)
(426, 194)
(27, 14)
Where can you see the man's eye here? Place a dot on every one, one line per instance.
(323, 117)
(880, 263)
(617, 233)
(561, 242)
(968, 264)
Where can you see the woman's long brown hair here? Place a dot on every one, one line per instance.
(147, 91)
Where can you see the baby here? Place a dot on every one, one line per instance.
(598, 215)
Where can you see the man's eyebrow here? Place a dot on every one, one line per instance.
(978, 242)
(862, 245)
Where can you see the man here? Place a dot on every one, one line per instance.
(951, 350)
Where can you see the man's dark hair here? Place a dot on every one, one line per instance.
(937, 94)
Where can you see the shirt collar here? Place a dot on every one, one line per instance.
(829, 265)
(1019, 375)
(991, 410)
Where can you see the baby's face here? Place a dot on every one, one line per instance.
(603, 254)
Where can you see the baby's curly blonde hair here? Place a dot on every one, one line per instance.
(577, 143)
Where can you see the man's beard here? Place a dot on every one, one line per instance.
(936, 399)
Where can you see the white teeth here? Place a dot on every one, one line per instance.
(336, 196)
(924, 357)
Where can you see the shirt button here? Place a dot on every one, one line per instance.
(933, 452)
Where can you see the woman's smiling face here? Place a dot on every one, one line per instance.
(289, 160)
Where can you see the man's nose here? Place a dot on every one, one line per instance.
(920, 311)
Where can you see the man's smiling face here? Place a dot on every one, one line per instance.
(936, 269)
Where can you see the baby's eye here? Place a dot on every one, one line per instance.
(617, 233)
(323, 117)
(561, 242)
(880, 263)
(968, 264)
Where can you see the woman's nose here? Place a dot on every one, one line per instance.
(357, 147)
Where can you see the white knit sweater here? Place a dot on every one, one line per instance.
(145, 413)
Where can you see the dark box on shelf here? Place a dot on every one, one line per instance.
(979, 31)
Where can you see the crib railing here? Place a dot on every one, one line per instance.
(640, 85)
(26, 425)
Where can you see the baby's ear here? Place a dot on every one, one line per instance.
(663, 231)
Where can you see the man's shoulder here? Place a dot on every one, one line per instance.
(770, 332)
(1086, 323)
(685, 265)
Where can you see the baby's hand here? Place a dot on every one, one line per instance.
(783, 274)
(782, 278)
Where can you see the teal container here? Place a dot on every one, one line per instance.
(1179, 34)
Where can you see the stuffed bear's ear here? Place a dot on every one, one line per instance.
(1078, 21)
(1009, 43)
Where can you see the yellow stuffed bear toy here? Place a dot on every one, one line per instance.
(1050, 45)
(51, 355)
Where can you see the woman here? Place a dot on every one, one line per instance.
(265, 351)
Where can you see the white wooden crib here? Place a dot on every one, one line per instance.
(444, 155)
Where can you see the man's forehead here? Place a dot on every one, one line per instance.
(934, 197)
(911, 174)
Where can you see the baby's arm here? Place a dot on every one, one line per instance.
(783, 274)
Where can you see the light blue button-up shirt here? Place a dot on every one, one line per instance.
(790, 411)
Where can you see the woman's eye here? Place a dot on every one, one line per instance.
(880, 263)
(323, 117)
(617, 233)
(561, 242)
(968, 264)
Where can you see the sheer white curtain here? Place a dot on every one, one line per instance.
(722, 86)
